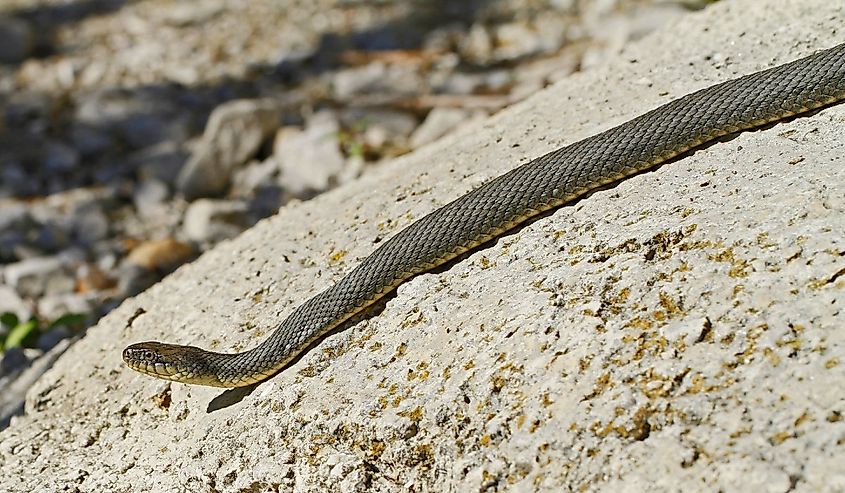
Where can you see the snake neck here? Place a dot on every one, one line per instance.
(226, 369)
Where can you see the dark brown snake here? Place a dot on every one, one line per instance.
(549, 181)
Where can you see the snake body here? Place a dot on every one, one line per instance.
(547, 182)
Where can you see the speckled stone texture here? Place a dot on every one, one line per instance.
(683, 331)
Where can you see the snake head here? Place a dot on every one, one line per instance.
(185, 364)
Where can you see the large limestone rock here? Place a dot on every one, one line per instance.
(682, 331)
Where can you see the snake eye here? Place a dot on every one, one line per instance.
(149, 355)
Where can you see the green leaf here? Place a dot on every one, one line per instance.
(9, 319)
(70, 320)
(22, 334)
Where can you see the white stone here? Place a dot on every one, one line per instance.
(437, 124)
(309, 160)
(36, 276)
(209, 220)
(233, 135)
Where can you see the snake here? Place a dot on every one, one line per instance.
(547, 182)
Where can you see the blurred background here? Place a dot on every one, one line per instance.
(134, 135)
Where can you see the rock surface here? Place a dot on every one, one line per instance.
(681, 331)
